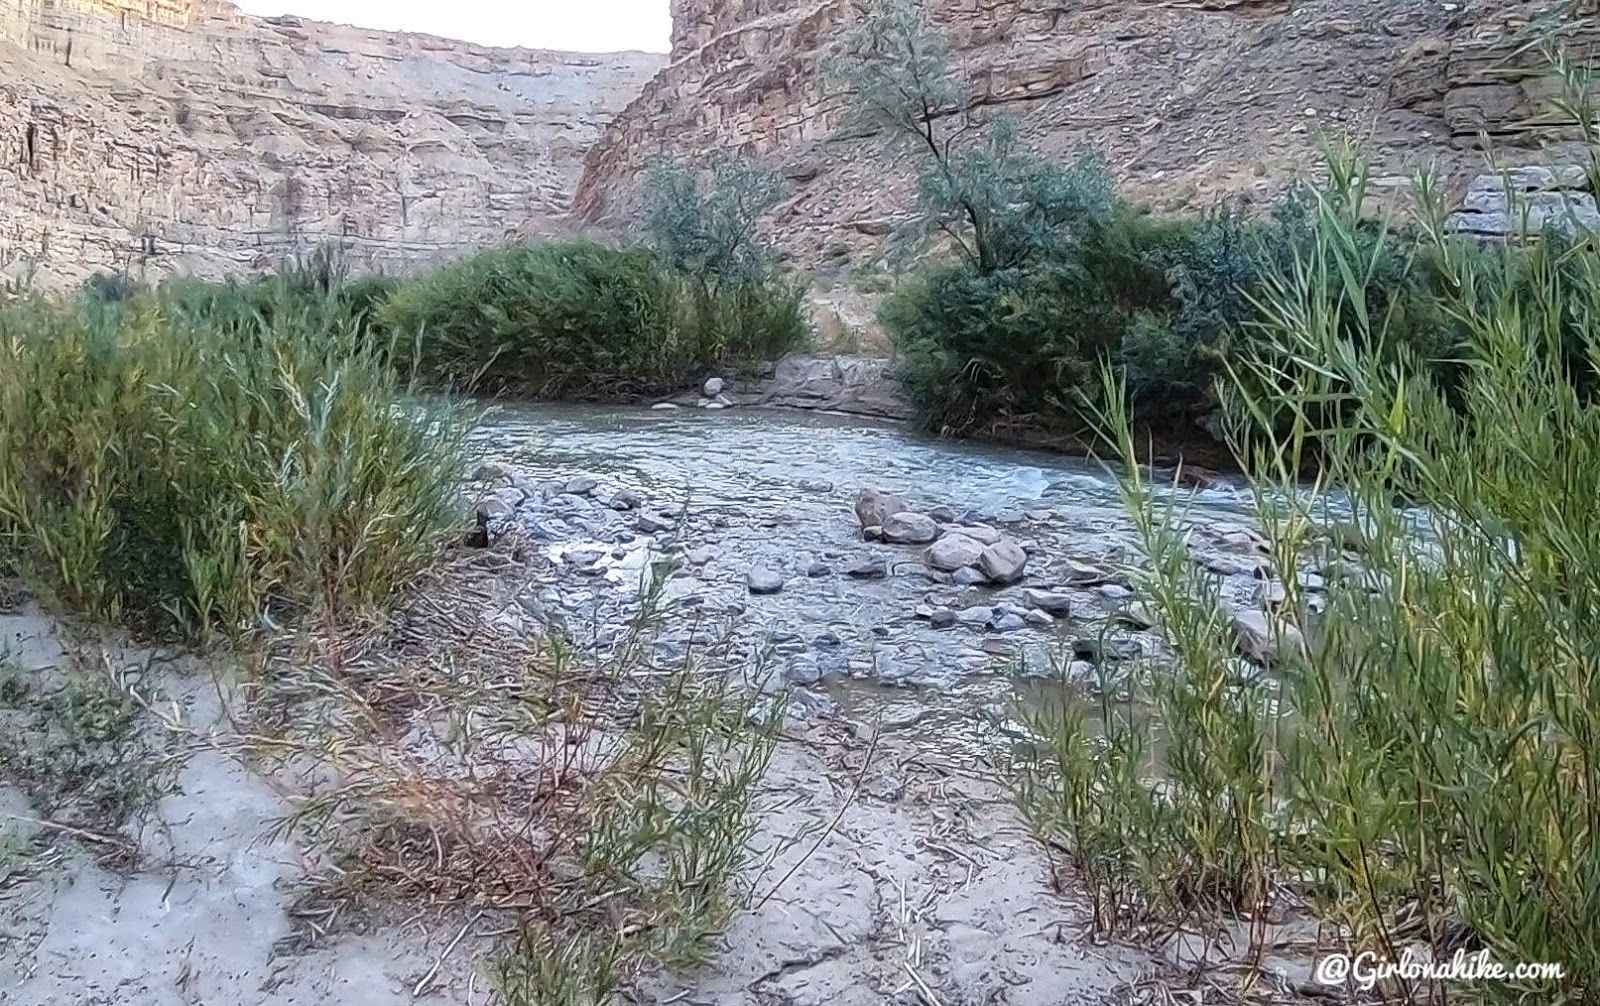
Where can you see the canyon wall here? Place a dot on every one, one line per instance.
(1189, 100)
(159, 135)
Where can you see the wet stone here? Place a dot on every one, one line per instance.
(818, 569)
(976, 616)
(868, 568)
(1009, 621)
(651, 524)
(802, 670)
(942, 618)
(968, 576)
(762, 580)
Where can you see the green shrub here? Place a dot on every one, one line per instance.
(1419, 764)
(192, 457)
(561, 319)
(580, 319)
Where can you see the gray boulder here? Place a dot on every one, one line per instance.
(906, 528)
(980, 533)
(871, 567)
(1264, 640)
(954, 551)
(713, 387)
(1003, 562)
(763, 580)
(1048, 601)
(874, 506)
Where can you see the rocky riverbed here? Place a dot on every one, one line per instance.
(904, 593)
(839, 557)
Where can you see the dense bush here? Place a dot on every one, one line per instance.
(192, 457)
(1419, 765)
(578, 319)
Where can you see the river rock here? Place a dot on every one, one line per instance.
(954, 551)
(1003, 562)
(803, 670)
(943, 514)
(700, 556)
(763, 580)
(1136, 616)
(1114, 592)
(968, 576)
(489, 472)
(976, 616)
(713, 387)
(664, 406)
(651, 524)
(871, 567)
(583, 485)
(1039, 619)
(626, 499)
(818, 569)
(494, 508)
(1081, 574)
(1263, 639)
(907, 528)
(1048, 601)
(942, 618)
(1009, 621)
(874, 506)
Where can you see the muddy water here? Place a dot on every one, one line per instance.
(776, 489)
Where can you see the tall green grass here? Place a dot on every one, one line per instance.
(582, 320)
(192, 458)
(1421, 760)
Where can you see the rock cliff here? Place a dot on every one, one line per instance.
(1188, 99)
(180, 134)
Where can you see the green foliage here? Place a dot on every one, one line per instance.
(561, 319)
(706, 229)
(580, 319)
(193, 456)
(77, 746)
(1422, 766)
(981, 351)
(111, 287)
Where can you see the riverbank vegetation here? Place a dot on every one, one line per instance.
(1408, 753)
(252, 463)
(580, 319)
(1031, 274)
(191, 458)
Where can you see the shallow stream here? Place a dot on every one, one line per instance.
(776, 490)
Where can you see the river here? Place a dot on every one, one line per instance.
(775, 489)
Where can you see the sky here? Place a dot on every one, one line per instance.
(576, 25)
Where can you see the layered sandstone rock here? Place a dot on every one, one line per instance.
(1188, 99)
(153, 135)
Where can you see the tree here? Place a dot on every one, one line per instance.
(999, 204)
(706, 228)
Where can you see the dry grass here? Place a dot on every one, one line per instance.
(456, 756)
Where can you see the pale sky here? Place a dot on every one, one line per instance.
(576, 25)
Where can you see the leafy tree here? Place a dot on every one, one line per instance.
(707, 227)
(1000, 205)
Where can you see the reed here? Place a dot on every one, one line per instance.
(202, 457)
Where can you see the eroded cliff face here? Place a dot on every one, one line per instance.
(180, 134)
(1188, 99)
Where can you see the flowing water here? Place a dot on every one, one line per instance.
(776, 489)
